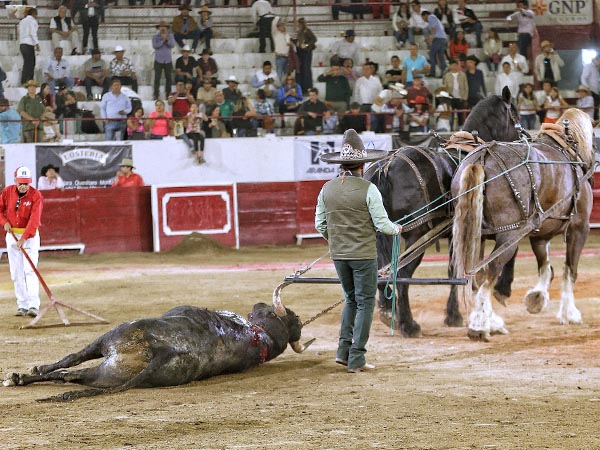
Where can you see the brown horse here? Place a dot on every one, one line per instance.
(506, 191)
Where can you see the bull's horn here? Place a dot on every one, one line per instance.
(277, 303)
(298, 347)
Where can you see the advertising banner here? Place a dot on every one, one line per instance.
(307, 152)
(83, 166)
(563, 12)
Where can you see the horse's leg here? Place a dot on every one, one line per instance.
(502, 288)
(576, 236)
(453, 315)
(537, 298)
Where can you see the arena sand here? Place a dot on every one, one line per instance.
(536, 388)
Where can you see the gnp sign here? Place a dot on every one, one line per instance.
(563, 12)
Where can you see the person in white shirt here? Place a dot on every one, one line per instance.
(590, 77)
(585, 101)
(416, 23)
(345, 48)
(366, 90)
(50, 179)
(525, 19)
(262, 16)
(281, 40)
(28, 44)
(507, 78)
(548, 63)
(518, 63)
(63, 29)
(266, 79)
(58, 69)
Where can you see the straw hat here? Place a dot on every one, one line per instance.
(205, 10)
(443, 94)
(31, 83)
(545, 43)
(127, 162)
(353, 151)
(163, 23)
(186, 48)
(584, 88)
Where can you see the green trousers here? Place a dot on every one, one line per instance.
(359, 282)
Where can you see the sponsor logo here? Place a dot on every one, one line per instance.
(318, 148)
(91, 154)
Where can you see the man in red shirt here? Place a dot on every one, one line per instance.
(21, 213)
(125, 175)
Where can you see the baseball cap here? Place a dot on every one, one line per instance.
(23, 175)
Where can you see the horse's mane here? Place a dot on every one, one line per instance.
(580, 126)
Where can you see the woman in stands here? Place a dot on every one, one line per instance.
(289, 96)
(458, 45)
(136, 129)
(528, 106)
(46, 96)
(492, 48)
(400, 24)
(554, 106)
(159, 121)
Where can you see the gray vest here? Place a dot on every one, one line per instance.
(350, 228)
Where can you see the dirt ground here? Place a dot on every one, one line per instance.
(536, 388)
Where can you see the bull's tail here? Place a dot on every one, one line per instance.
(468, 217)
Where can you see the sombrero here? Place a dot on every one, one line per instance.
(353, 151)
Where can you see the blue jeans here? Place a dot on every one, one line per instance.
(524, 42)
(195, 35)
(115, 130)
(401, 37)
(411, 34)
(438, 50)
(359, 282)
(528, 121)
(281, 63)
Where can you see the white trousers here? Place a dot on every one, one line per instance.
(67, 44)
(27, 286)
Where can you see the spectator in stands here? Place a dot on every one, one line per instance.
(58, 69)
(31, 109)
(443, 111)
(455, 83)
(468, 21)
(232, 92)
(395, 111)
(394, 74)
(585, 101)
(194, 132)
(264, 112)
(527, 106)
(225, 110)
(10, 123)
(337, 89)
(282, 42)
(305, 45)
(185, 27)
(525, 26)
(416, 24)
(354, 118)
(243, 113)
(216, 126)
(207, 68)
(206, 94)
(345, 48)
(28, 44)
(590, 77)
(554, 106)
(414, 64)
(159, 121)
(418, 118)
(205, 26)
(548, 63)
(51, 132)
(46, 95)
(507, 78)
(262, 16)
(185, 65)
(2, 79)
(122, 68)
(475, 82)
(62, 29)
(446, 16)
(50, 179)
(438, 40)
(162, 43)
(541, 96)
(96, 74)
(350, 72)
(125, 176)
(136, 128)
(418, 88)
(400, 24)
(330, 122)
(60, 100)
(492, 47)
(114, 109)
(312, 112)
(358, 8)
(519, 65)
(90, 12)
(367, 88)
(458, 45)
(289, 96)
(266, 79)
(180, 100)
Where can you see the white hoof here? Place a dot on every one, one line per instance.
(569, 315)
(497, 324)
(536, 301)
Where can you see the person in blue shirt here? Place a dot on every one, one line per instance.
(10, 124)
(439, 42)
(114, 109)
(289, 95)
(414, 64)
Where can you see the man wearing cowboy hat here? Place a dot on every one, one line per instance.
(10, 124)
(205, 26)
(122, 68)
(185, 65)
(475, 82)
(349, 212)
(50, 179)
(20, 216)
(232, 92)
(548, 63)
(162, 43)
(185, 27)
(125, 176)
(585, 101)
(31, 109)
(207, 68)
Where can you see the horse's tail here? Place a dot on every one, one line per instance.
(468, 216)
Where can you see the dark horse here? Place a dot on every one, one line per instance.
(410, 179)
(506, 191)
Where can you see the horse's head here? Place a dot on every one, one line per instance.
(495, 118)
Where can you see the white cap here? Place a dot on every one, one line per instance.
(23, 175)
(118, 48)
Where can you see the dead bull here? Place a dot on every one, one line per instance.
(184, 345)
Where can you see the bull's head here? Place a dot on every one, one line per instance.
(282, 312)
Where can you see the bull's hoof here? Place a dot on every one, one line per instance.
(454, 321)
(478, 335)
(411, 329)
(501, 298)
(536, 301)
(385, 315)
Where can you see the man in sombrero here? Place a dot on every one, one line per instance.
(349, 211)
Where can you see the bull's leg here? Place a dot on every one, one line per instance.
(92, 351)
(537, 298)
(453, 315)
(576, 236)
(82, 376)
(502, 288)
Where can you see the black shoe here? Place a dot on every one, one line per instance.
(21, 312)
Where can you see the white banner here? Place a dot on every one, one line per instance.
(307, 152)
(563, 12)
